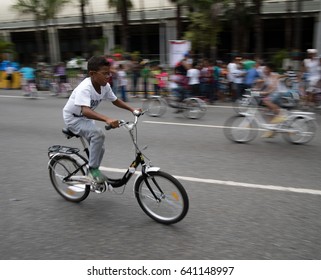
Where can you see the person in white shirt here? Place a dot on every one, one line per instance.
(122, 82)
(79, 112)
(311, 68)
(231, 67)
(193, 74)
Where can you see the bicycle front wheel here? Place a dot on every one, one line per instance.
(59, 168)
(162, 197)
(303, 131)
(155, 106)
(194, 108)
(240, 129)
(243, 104)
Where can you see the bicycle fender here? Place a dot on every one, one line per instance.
(152, 169)
(148, 169)
(304, 115)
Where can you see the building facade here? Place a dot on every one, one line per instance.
(62, 35)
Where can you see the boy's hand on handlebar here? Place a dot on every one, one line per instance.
(137, 112)
(112, 123)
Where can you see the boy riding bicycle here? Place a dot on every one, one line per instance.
(79, 115)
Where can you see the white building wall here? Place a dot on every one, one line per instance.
(72, 9)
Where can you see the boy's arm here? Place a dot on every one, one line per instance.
(121, 104)
(90, 114)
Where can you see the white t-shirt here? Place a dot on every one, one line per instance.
(194, 76)
(122, 76)
(85, 95)
(312, 66)
(231, 67)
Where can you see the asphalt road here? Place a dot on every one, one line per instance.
(260, 200)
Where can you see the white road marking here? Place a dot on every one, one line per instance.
(24, 97)
(185, 124)
(232, 183)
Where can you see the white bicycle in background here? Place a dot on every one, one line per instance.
(191, 107)
(297, 128)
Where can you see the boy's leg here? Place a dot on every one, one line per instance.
(95, 137)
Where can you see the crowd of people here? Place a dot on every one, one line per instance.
(211, 81)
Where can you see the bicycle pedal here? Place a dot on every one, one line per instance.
(99, 188)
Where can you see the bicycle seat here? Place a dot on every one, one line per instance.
(69, 134)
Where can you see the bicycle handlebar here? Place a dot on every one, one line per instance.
(136, 114)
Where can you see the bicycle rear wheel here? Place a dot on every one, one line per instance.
(59, 168)
(240, 129)
(155, 106)
(166, 200)
(194, 108)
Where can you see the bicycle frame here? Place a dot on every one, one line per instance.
(256, 115)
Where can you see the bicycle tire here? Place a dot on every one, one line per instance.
(173, 205)
(306, 131)
(240, 129)
(59, 167)
(155, 106)
(194, 108)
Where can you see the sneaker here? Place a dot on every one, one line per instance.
(278, 119)
(268, 134)
(96, 175)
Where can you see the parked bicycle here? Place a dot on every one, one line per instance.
(191, 107)
(297, 128)
(160, 195)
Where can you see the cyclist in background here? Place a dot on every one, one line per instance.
(28, 76)
(271, 95)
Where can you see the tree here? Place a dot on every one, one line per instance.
(84, 36)
(5, 48)
(41, 10)
(258, 28)
(122, 7)
(179, 5)
(204, 26)
(34, 8)
(298, 26)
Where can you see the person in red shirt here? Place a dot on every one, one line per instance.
(162, 79)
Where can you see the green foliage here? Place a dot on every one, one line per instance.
(202, 32)
(6, 47)
(40, 9)
(98, 45)
(278, 57)
(118, 4)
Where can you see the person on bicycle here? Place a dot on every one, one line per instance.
(271, 95)
(79, 112)
(28, 76)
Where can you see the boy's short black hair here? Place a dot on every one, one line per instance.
(96, 62)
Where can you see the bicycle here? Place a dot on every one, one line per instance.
(60, 89)
(297, 128)
(160, 195)
(29, 89)
(191, 107)
(252, 99)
